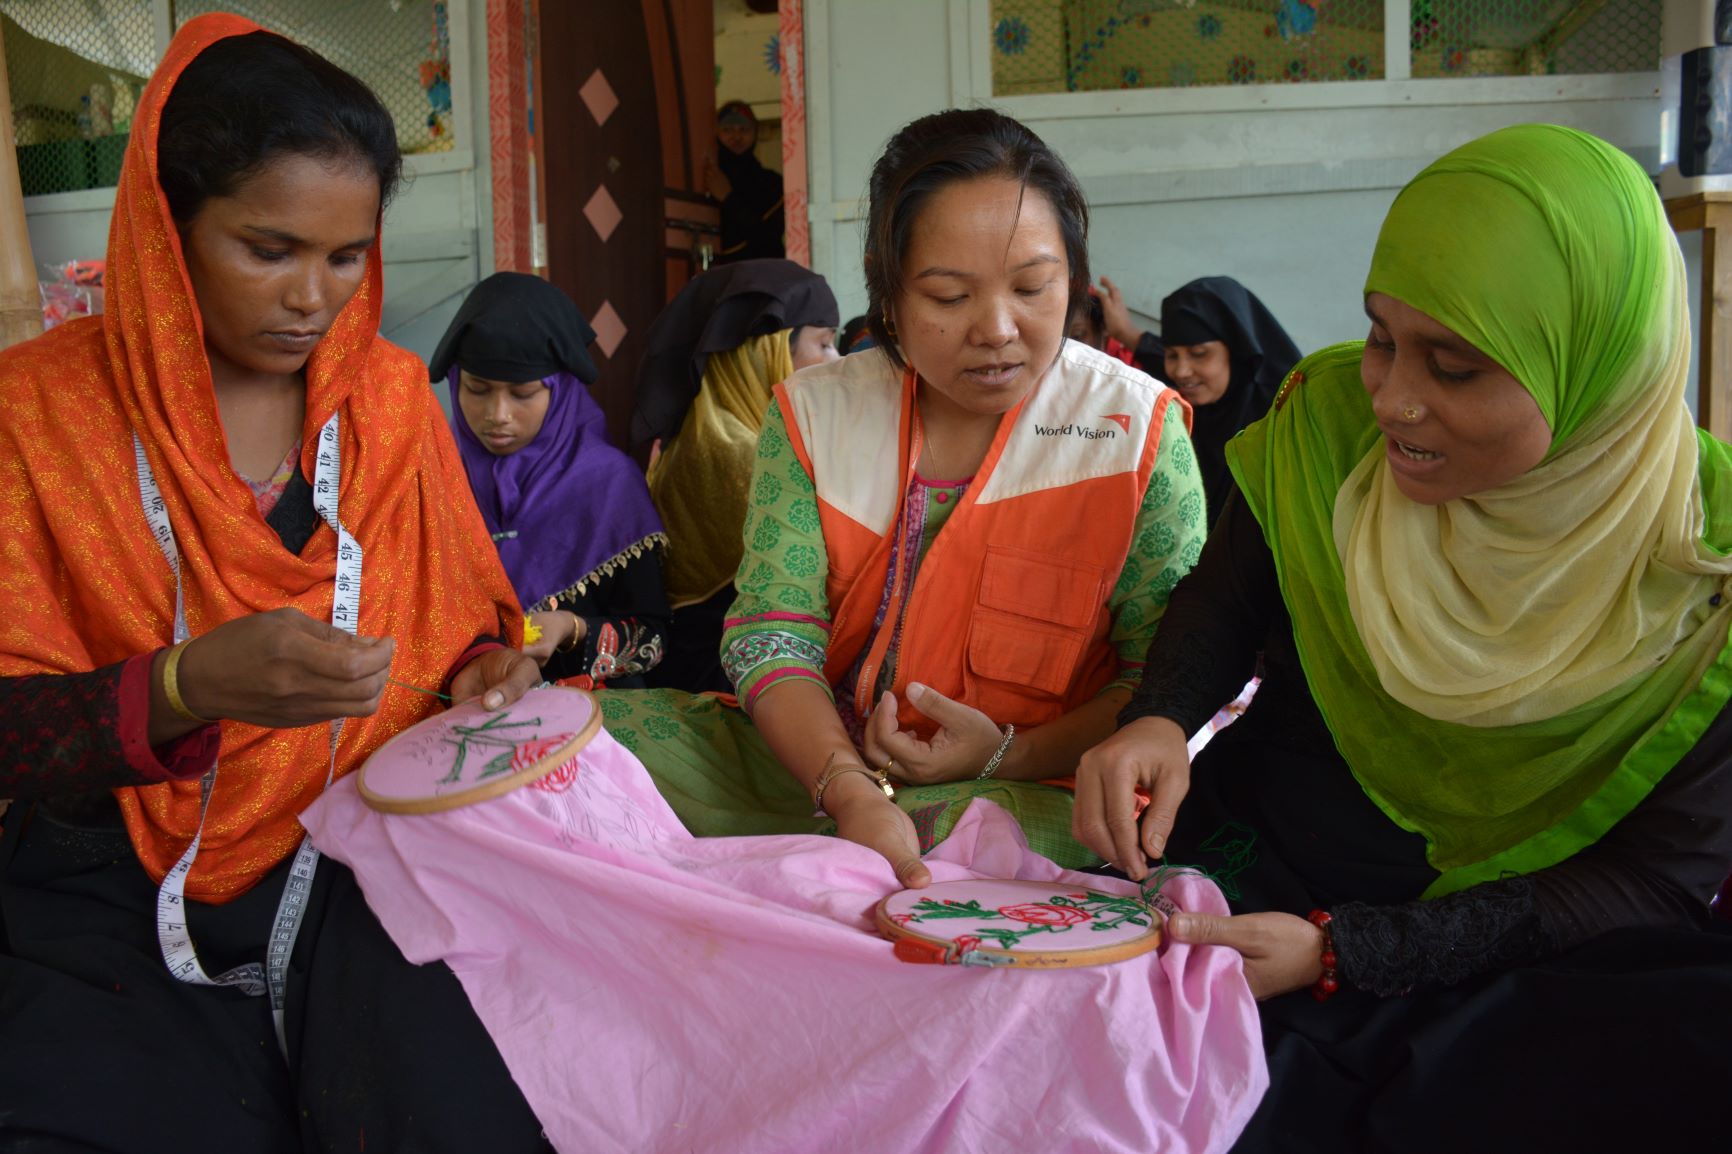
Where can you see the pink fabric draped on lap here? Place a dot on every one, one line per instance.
(654, 991)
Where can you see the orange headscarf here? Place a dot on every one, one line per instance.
(85, 584)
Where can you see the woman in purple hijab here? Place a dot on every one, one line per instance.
(570, 514)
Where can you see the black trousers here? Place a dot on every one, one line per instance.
(1621, 1044)
(101, 1050)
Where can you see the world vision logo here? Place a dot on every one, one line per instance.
(1122, 420)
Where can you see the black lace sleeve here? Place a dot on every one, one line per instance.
(82, 734)
(1391, 950)
(63, 734)
(1215, 624)
(1660, 866)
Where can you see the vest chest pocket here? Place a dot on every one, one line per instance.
(1033, 620)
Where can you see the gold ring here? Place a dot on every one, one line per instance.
(889, 765)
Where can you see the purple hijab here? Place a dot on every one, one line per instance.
(568, 506)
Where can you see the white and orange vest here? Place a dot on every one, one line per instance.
(1008, 613)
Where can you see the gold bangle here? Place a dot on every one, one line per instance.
(171, 687)
(576, 628)
(833, 771)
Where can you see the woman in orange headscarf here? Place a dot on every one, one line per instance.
(231, 517)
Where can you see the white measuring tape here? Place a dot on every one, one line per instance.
(178, 952)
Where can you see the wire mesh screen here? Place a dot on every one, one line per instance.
(75, 71)
(77, 67)
(400, 48)
(1088, 45)
(1534, 37)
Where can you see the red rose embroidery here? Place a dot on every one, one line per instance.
(559, 780)
(530, 752)
(966, 944)
(1039, 914)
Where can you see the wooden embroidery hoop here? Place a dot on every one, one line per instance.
(495, 787)
(1055, 951)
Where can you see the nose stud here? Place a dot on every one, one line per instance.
(1410, 414)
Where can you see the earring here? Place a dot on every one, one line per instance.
(889, 327)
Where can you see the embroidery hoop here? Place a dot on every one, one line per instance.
(1123, 926)
(404, 774)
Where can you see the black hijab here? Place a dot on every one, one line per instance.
(717, 311)
(516, 327)
(568, 506)
(753, 219)
(1219, 308)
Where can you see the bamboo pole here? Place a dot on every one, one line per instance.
(20, 299)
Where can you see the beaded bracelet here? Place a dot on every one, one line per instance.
(1325, 987)
(1003, 748)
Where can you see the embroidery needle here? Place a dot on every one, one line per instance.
(418, 689)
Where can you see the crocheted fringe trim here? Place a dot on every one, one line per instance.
(605, 569)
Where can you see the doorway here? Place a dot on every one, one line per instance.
(628, 89)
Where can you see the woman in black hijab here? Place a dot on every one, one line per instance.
(1227, 355)
(569, 513)
(751, 195)
(716, 352)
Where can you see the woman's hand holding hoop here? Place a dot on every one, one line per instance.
(499, 677)
(1282, 952)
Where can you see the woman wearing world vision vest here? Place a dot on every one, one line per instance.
(959, 543)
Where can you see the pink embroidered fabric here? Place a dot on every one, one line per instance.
(654, 991)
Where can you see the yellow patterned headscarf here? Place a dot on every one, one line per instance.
(699, 482)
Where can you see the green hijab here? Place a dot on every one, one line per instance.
(1508, 674)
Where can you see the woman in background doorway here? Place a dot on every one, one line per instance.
(750, 194)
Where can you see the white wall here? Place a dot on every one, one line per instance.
(438, 234)
(1281, 186)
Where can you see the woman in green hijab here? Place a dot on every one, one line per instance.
(1485, 789)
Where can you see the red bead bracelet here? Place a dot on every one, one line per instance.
(1324, 988)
